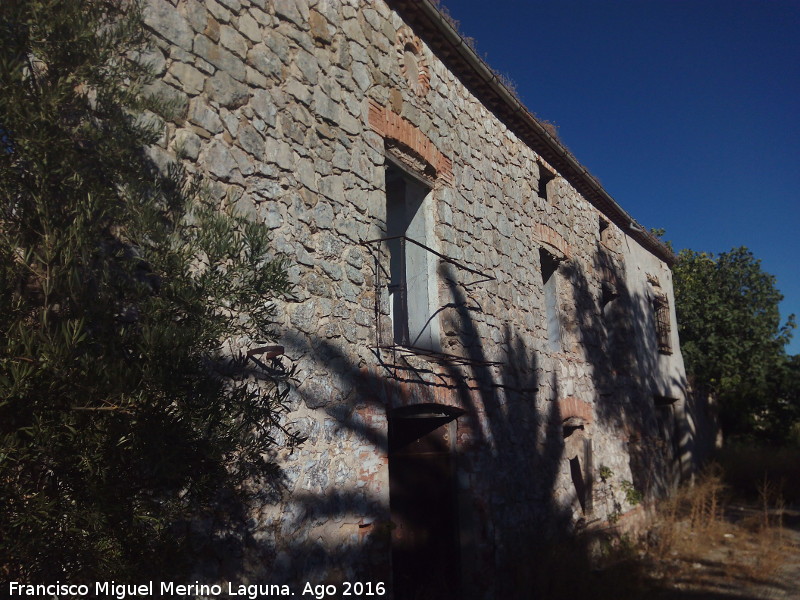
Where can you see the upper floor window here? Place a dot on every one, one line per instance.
(549, 270)
(546, 177)
(412, 280)
(660, 315)
(663, 330)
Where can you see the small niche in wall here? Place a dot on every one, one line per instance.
(604, 231)
(545, 190)
(578, 450)
(668, 430)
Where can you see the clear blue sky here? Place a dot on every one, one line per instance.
(687, 111)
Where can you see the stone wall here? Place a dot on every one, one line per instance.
(291, 110)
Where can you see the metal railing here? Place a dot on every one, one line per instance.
(401, 337)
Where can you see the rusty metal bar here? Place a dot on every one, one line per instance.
(266, 351)
(446, 259)
(442, 357)
(402, 291)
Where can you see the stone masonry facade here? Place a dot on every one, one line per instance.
(493, 386)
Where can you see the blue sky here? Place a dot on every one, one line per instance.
(687, 111)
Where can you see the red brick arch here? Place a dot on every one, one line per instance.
(394, 127)
(573, 407)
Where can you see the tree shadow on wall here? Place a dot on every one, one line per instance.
(515, 505)
(614, 329)
(335, 525)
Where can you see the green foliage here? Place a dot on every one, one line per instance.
(659, 232)
(783, 417)
(731, 335)
(632, 495)
(124, 416)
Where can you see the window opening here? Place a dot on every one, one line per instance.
(661, 311)
(606, 234)
(434, 355)
(668, 433)
(410, 266)
(660, 315)
(665, 414)
(549, 269)
(545, 177)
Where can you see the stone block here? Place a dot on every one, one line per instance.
(175, 99)
(243, 161)
(167, 22)
(222, 14)
(361, 75)
(212, 30)
(261, 102)
(332, 187)
(219, 161)
(332, 270)
(306, 175)
(325, 106)
(265, 61)
(234, 41)
(323, 215)
(200, 114)
(196, 15)
(219, 57)
(250, 28)
(153, 58)
(308, 66)
(321, 30)
(293, 11)
(227, 91)
(190, 79)
(280, 46)
(251, 141)
(234, 6)
(279, 152)
(255, 79)
(259, 13)
(187, 144)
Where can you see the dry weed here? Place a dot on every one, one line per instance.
(693, 519)
(696, 533)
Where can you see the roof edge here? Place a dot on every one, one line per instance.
(431, 24)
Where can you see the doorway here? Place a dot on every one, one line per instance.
(422, 496)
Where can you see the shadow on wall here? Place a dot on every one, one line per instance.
(509, 456)
(615, 330)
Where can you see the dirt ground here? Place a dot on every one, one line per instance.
(737, 563)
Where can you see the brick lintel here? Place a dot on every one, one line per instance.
(390, 125)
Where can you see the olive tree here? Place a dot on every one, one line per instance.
(124, 414)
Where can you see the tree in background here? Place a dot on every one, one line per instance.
(122, 417)
(732, 338)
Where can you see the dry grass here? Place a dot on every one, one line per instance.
(707, 541)
(699, 542)
(702, 541)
